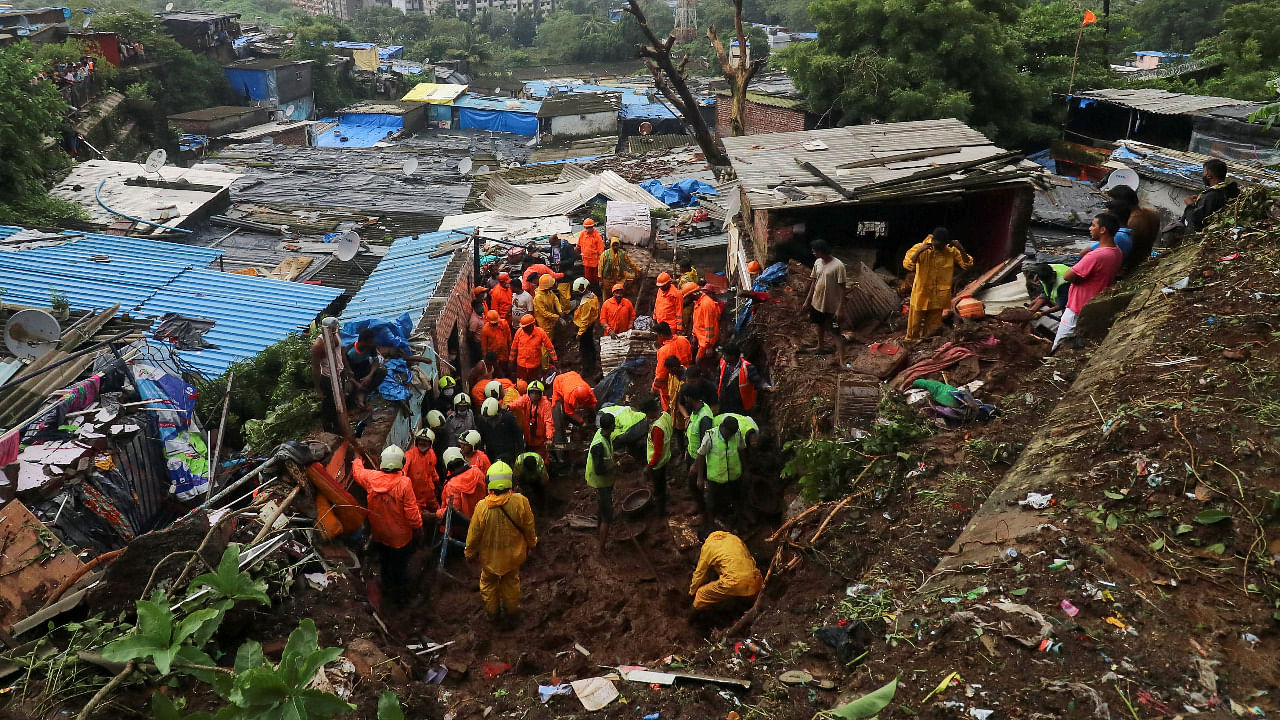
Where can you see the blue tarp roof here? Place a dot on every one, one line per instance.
(635, 102)
(500, 104)
(384, 53)
(151, 277)
(1157, 53)
(405, 278)
(357, 130)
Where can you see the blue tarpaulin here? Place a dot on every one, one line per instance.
(252, 84)
(512, 122)
(393, 334)
(360, 130)
(680, 193)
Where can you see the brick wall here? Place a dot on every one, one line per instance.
(293, 136)
(760, 118)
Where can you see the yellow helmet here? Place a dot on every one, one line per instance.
(499, 476)
(446, 382)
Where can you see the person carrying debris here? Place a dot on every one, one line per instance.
(463, 488)
(527, 348)
(736, 573)
(1091, 275)
(500, 537)
(706, 321)
(572, 400)
(394, 517)
(658, 443)
(600, 467)
(500, 431)
(547, 307)
(720, 469)
(616, 266)
(1217, 194)
(669, 345)
(934, 261)
(617, 314)
(534, 414)
(667, 305)
(532, 478)
(585, 316)
(495, 337)
(739, 380)
(420, 466)
(1048, 287)
(826, 291)
(628, 429)
(469, 444)
(590, 245)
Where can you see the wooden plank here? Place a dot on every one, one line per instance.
(290, 268)
(28, 574)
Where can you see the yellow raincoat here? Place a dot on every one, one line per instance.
(737, 573)
(547, 310)
(588, 312)
(616, 266)
(931, 292)
(500, 536)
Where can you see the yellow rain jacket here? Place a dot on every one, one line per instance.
(546, 310)
(501, 540)
(617, 266)
(588, 312)
(934, 270)
(738, 575)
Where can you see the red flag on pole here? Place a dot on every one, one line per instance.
(1089, 18)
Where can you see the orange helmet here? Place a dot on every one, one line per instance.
(588, 223)
(619, 286)
(546, 282)
(583, 396)
(752, 267)
(492, 316)
(689, 287)
(664, 279)
(477, 291)
(504, 278)
(526, 321)
(521, 386)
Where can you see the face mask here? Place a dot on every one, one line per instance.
(448, 392)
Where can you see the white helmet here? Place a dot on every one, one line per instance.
(493, 389)
(452, 455)
(581, 284)
(435, 418)
(461, 399)
(392, 458)
(470, 437)
(425, 434)
(490, 407)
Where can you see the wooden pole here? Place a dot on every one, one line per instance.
(333, 346)
(222, 428)
(1072, 82)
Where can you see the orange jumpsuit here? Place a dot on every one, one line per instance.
(465, 490)
(536, 422)
(393, 509)
(617, 316)
(526, 352)
(667, 306)
(590, 245)
(562, 391)
(679, 347)
(496, 338)
(500, 300)
(421, 469)
(706, 324)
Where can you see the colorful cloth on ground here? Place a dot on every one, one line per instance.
(186, 454)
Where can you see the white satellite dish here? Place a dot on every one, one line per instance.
(84, 25)
(168, 7)
(464, 165)
(155, 160)
(410, 167)
(1123, 176)
(348, 246)
(288, 111)
(32, 334)
(482, 169)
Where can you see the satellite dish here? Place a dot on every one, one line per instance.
(84, 25)
(410, 167)
(482, 169)
(32, 334)
(464, 165)
(168, 7)
(646, 128)
(1123, 176)
(268, 140)
(155, 160)
(288, 111)
(348, 246)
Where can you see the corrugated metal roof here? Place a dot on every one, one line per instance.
(574, 188)
(406, 278)
(251, 313)
(637, 144)
(856, 157)
(1161, 102)
(1184, 168)
(580, 104)
(501, 104)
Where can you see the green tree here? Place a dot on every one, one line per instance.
(331, 92)
(1176, 25)
(1047, 33)
(524, 29)
(181, 80)
(388, 26)
(1249, 49)
(33, 115)
(918, 60)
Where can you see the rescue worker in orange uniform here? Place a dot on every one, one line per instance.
(463, 488)
(495, 336)
(534, 412)
(469, 444)
(526, 349)
(666, 307)
(590, 245)
(669, 345)
(394, 517)
(420, 466)
(617, 314)
(736, 574)
(572, 399)
(500, 537)
(706, 320)
(739, 380)
(500, 297)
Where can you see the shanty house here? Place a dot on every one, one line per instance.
(493, 113)
(567, 117)
(368, 123)
(283, 85)
(219, 120)
(204, 32)
(880, 188)
(438, 98)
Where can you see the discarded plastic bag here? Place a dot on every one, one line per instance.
(850, 642)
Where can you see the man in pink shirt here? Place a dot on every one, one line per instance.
(1092, 274)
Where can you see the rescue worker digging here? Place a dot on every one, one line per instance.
(500, 537)
(736, 573)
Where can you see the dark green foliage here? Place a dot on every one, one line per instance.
(1249, 49)
(277, 378)
(181, 80)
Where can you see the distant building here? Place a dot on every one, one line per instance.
(780, 37)
(41, 26)
(773, 105)
(204, 33)
(476, 6)
(575, 116)
(1152, 59)
(281, 85)
(220, 120)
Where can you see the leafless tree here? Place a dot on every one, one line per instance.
(737, 71)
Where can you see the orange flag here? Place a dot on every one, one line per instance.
(1089, 18)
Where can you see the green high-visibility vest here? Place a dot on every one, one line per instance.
(746, 423)
(624, 418)
(1061, 272)
(723, 462)
(691, 432)
(596, 479)
(519, 466)
(666, 425)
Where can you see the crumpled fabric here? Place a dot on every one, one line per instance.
(393, 333)
(186, 333)
(612, 388)
(679, 193)
(849, 641)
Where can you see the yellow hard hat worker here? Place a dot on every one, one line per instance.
(499, 476)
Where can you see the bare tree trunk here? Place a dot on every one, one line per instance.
(668, 76)
(738, 73)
